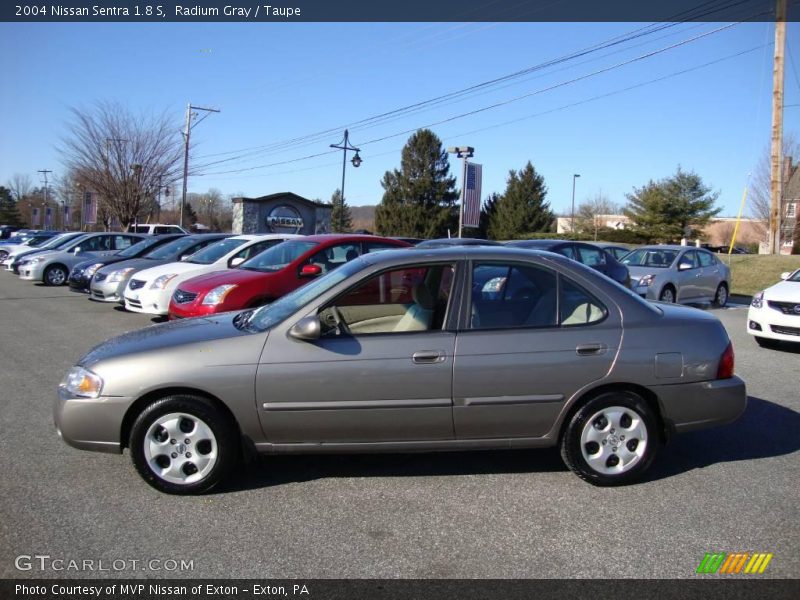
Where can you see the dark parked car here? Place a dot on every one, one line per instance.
(81, 275)
(392, 352)
(583, 252)
(615, 250)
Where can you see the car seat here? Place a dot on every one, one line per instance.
(418, 316)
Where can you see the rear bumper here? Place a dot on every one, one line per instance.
(690, 406)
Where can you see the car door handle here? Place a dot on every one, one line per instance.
(427, 357)
(590, 349)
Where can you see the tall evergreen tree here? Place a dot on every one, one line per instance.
(672, 208)
(341, 220)
(522, 207)
(487, 212)
(9, 211)
(419, 199)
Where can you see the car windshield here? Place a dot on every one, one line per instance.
(135, 249)
(267, 316)
(211, 254)
(660, 258)
(173, 249)
(794, 276)
(277, 257)
(58, 241)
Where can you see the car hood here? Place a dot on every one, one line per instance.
(169, 336)
(207, 282)
(639, 272)
(170, 268)
(785, 291)
(132, 263)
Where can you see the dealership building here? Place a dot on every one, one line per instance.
(283, 212)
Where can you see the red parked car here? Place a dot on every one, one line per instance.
(271, 274)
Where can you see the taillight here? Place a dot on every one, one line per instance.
(725, 370)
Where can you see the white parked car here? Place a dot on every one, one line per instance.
(775, 313)
(156, 228)
(149, 291)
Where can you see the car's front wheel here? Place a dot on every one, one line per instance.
(667, 294)
(611, 440)
(55, 275)
(183, 445)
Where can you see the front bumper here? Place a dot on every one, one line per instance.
(79, 283)
(690, 406)
(106, 291)
(145, 300)
(773, 324)
(90, 423)
(31, 272)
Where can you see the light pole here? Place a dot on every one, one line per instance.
(572, 218)
(464, 152)
(344, 145)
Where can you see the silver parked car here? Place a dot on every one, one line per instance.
(53, 267)
(678, 274)
(451, 348)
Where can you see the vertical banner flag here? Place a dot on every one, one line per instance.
(66, 222)
(89, 209)
(472, 195)
(48, 217)
(34, 217)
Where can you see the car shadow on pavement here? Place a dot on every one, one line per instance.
(274, 470)
(764, 430)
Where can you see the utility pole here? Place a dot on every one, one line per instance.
(186, 133)
(776, 183)
(44, 172)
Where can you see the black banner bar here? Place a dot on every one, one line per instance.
(707, 588)
(287, 11)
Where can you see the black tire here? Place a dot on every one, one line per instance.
(224, 444)
(765, 342)
(721, 296)
(636, 457)
(664, 295)
(3, 255)
(55, 275)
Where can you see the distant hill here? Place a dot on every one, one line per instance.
(363, 217)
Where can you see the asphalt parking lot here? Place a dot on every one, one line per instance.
(474, 515)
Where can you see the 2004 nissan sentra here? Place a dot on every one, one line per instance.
(411, 350)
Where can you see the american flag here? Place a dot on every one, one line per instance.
(472, 195)
(89, 209)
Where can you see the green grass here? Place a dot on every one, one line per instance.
(754, 272)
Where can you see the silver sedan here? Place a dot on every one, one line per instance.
(453, 348)
(680, 274)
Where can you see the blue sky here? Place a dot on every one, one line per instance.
(279, 81)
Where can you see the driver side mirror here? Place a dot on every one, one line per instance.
(310, 271)
(76, 250)
(306, 329)
(685, 266)
(235, 262)
(785, 275)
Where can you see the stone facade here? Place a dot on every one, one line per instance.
(283, 212)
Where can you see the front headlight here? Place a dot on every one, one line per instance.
(91, 269)
(82, 383)
(217, 295)
(119, 275)
(758, 300)
(161, 282)
(38, 259)
(647, 280)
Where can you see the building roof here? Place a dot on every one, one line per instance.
(282, 196)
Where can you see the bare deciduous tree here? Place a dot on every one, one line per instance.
(590, 213)
(20, 185)
(760, 193)
(123, 157)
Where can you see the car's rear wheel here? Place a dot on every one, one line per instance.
(667, 294)
(183, 445)
(611, 440)
(721, 297)
(55, 275)
(3, 255)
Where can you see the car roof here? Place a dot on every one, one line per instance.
(345, 237)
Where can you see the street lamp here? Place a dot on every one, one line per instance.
(344, 145)
(572, 219)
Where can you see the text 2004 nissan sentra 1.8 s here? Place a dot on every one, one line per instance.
(411, 350)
